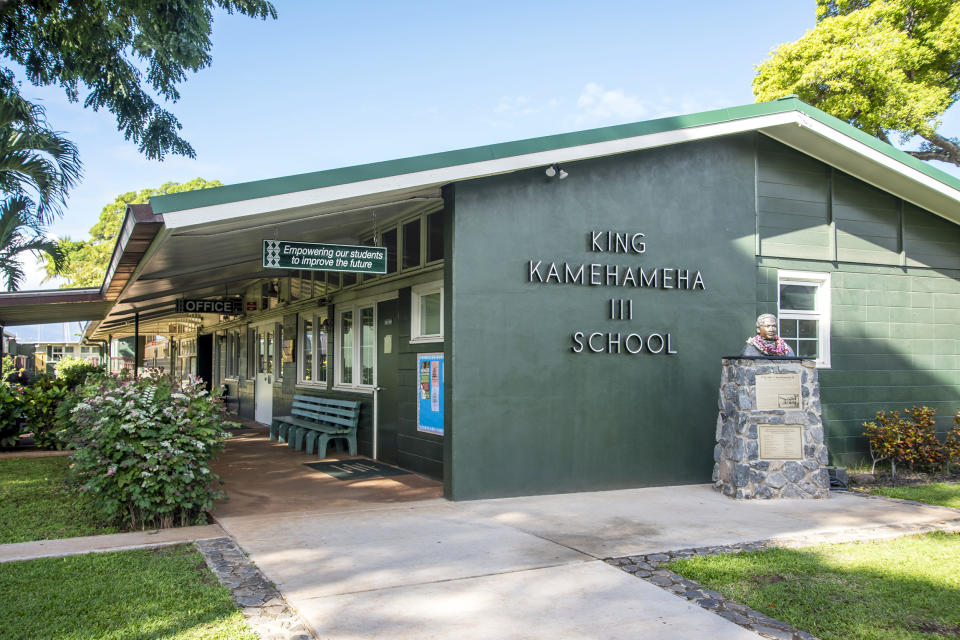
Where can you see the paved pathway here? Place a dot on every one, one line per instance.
(531, 567)
(111, 542)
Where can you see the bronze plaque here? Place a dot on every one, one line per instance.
(778, 391)
(780, 441)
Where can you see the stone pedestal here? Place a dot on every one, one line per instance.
(782, 423)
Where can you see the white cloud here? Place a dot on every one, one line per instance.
(516, 106)
(599, 103)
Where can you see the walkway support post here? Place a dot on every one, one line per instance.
(136, 344)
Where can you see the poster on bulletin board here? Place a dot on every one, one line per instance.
(430, 393)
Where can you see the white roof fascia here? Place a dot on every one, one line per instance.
(444, 175)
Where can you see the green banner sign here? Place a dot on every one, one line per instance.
(283, 254)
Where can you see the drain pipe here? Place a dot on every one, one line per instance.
(376, 414)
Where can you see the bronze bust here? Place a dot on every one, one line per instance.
(767, 342)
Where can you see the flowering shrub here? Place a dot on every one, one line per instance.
(142, 449)
(911, 440)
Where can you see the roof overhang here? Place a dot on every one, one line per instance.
(137, 232)
(58, 305)
(789, 120)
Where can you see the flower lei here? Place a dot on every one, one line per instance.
(780, 349)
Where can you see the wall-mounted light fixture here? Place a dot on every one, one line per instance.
(556, 170)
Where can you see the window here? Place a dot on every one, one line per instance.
(233, 354)
(803, 304)
(426, 310)
(389, 240)
(357, 335)
(312, 363)
(55, 353)
(411, 244)
(435, 236)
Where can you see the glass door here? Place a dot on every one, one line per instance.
(264, 352)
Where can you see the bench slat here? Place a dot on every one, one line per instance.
(328, 401)
(337, 411)
(324, 418)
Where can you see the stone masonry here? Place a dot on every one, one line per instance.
(739, 471)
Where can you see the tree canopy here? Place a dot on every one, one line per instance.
(121, 51)
(889, 67)
(84, 262)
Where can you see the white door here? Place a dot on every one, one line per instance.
(263, 391)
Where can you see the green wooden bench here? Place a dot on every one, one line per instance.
(317, 421)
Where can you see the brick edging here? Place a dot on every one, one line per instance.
(263, 606)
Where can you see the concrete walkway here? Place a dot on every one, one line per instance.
(531, 567)
(110, 542)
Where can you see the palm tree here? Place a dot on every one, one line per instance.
(35, 163)
(19, 234)
(38, 167)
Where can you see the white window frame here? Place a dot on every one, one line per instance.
(355, 305)
(416, 293)
(822, 313)
(317, 319)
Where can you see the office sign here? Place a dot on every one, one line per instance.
(223, 306)
(312, 256)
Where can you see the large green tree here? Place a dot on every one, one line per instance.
(83, 263)
(118, 52)
(889, 67)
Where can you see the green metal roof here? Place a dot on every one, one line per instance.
(346, 175)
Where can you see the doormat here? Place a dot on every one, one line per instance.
(356, 469)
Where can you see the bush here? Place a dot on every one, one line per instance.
(43, 398)
(12, 404)
(912, 440)
(142, 449)
(951, 446)
(73, 371)
(921, 450)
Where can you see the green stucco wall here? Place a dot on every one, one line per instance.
(530, 415)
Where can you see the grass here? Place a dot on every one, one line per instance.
(945, 495)
(908, 588)
(35, 504)
(164, 593)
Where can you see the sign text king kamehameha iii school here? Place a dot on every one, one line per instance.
(312, 256)
(624, 278)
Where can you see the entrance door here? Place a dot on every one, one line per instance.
(265, 361)
(388, 317)
(205, 359)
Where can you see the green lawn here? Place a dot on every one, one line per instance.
(35, 504)
(905, 588)
(945, 495)
(164, 593)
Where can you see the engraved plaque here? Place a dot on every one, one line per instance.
(780, 441)
(778, 391)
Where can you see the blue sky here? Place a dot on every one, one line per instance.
(334, 84)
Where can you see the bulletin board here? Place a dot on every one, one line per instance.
(430, 393)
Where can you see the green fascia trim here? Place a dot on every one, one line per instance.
(359, 173)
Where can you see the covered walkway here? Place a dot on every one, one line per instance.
(263, 478)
